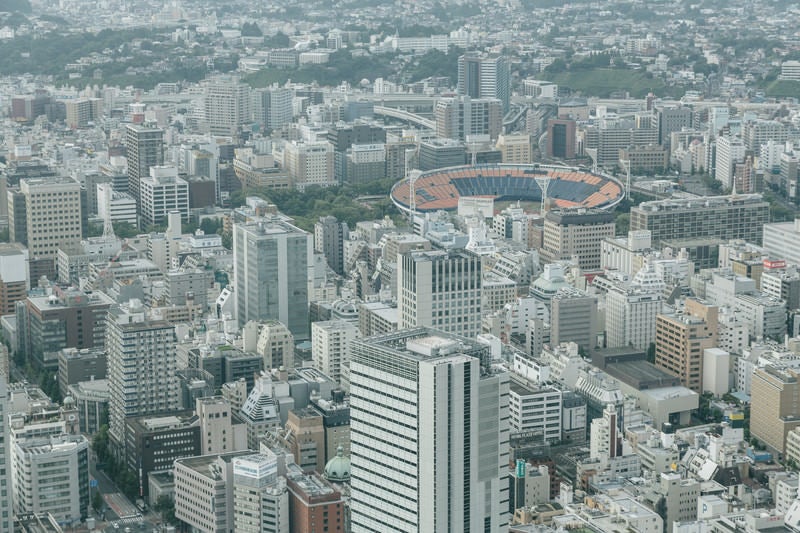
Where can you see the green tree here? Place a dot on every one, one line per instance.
(97, 501)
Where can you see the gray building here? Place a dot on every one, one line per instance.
(270, 264)
(329, 237)
(144, 148)
(573, 318)
(441, 153)
(80, 365)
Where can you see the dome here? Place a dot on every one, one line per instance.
(338, 469)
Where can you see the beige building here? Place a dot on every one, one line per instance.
(330, 346)
(647, 158)
(81, 111)
(304, 436)
(775, 404)
(682, 337)
(276, 345)
(577, 233)
(309, 163)
(218, 434)
(515, 148)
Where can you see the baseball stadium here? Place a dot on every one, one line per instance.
(440, 189)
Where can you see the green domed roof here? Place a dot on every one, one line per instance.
(338, 468)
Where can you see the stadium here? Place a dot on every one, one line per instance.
(440, 189)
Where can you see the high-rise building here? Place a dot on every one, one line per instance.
(441, 153)
(272, 107)
(681, 338)
(573, 318)
(6, 469)
(774, 405)
(331, 341)
(270, 267)
(441, 290)
(669, 119)
(64, 319)
(730, 151)
(216, 426)
(260, 497)
(13, 277)
(227, 105)
(142, 362)
(576, 233)
(515, 148)
(144, 148)
(81, 111)
(485, 76)
(719, 217)
(462, 117)
(51, 475)
(561, 138)
(631, 310)
(54, 220)
(276, 345)
(161, 193)
(329, 237)
(427, 406)
(309, 163)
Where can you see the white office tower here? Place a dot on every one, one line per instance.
(331, 342)
(730, 150)
(142, 362)
(604, 441)
(6, 514)
(441, 290)
(260, 497)
(631, 310)
(429, 435)
(51, 476)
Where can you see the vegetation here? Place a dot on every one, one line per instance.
(434, 63)
(251, 29)
(341, 202)
(123, 477)
(165, 506)
(343, 66)
(10, 6)
(602, 82)
(783, 88)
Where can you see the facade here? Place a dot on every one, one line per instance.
(14, 279)
(275, 345)
(331, 342)
(561, 138)
(270, 264)
(720, 217)
(774, 406)
(227, 105)
(53, 220)
(260, 497)
(573, 318)
(162, 193)
(485, 76)
(631, 317)
(463, 117)
(115, 206)
(315, 506)
(204, 488)
(329, 237)
(423, 404)
(142, 362)
(515, 148)
(441, 153)
(91, 401)
(441, 290)
(577, 233)
(6, 478)
(144, 148)
(309, 163)
(681, 339)
(304, 436)
(533, 407)
(80, 365)
(81, 111)
(730, 151)
(37, 488)
(65, 319)
(272, 107)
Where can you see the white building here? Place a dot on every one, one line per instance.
(425, 407)
(309, 163)
(118, 206)
(441, 290)
(276, 345)
(782, 240)
(6, 480)
(535, 408)
(730, 150)
(161, 193)
(51, 475)
(331, 341)
(631, 316)
(261, 500)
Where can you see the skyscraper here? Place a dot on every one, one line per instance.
(462, 117)
(141, 366)
(329, 237)
(270, 266)
(441, 290)
(6, 504)
(429, 435)
(227, 105)
(53, 220)
(484, 76)
(144, 149)
(272, 107)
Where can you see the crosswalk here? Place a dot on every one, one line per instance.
(128, 520)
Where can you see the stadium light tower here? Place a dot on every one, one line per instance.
(626, 164)
(543, 182)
